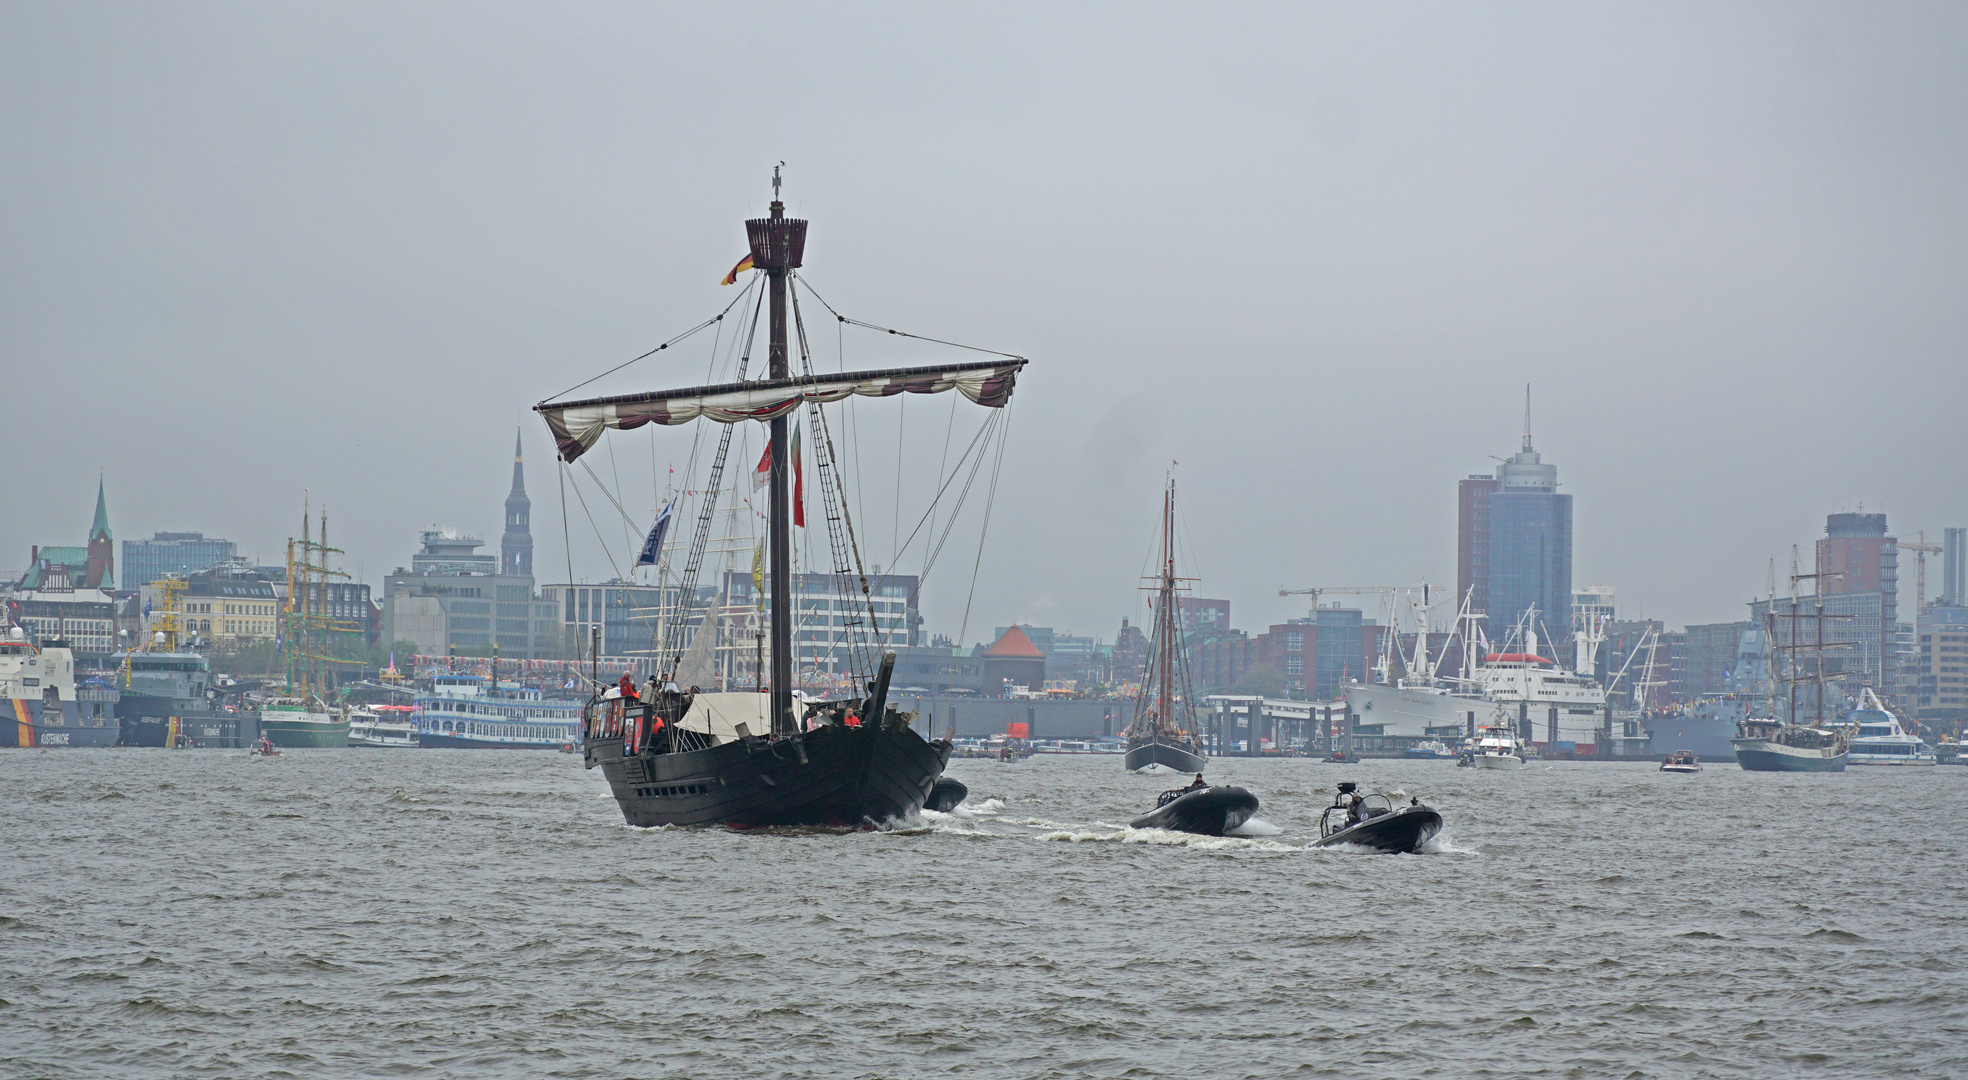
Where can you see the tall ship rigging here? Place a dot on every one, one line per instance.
(672, 756)
(1163, 735)
(1767, 744)
(302, 716)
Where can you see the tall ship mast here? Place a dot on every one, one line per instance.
(302, 716)
(1163, 735)
(1767, 744)
(676, 755)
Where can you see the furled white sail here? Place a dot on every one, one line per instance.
(698, 667)
(577, 425)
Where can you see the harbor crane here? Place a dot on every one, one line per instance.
(1921, 549)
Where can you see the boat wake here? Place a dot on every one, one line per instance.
(988, 808)
(1103, 833)
(1153, 768)
(1444, 844)
(1255, 827)
(952, 824)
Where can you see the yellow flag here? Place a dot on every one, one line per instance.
(758, 574)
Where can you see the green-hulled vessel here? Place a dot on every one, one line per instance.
(294, 722)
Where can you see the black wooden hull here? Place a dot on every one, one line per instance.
(1154, 750)
(1403, 831)
(833, 775)
(1210, 811)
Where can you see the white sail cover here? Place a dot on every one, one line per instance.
(577, 425)
(719, 716)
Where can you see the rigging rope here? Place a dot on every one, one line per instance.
(605, 549)
(712, 321)
(900, 333)
(991, 498)
(845, 553)
(673, 634)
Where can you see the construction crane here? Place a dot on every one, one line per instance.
(1922, 549)
(1364, 590)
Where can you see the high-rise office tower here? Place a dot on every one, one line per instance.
(1856, 557)
(1514, 546)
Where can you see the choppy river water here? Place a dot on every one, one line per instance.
(486, 914)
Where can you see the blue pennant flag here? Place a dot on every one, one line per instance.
(652, 548)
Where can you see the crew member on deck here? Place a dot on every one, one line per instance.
(628, 687)
(1197, 785)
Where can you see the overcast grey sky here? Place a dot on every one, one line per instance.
(1312, 251)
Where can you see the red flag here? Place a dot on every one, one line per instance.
(799, 482)
(762, 476)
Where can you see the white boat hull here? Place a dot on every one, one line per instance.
(1418, 714)
(1498, 761)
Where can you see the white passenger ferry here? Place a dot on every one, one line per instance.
(1881, 740)
(384, 726)
(461, 711)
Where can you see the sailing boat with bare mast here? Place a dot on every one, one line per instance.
(1162, 737)
(767, 759)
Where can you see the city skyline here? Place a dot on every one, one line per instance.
(515, 550)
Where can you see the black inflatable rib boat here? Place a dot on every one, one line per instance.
(946, 795)
(1210, 811)
(1374, 822)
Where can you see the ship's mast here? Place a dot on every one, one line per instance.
(1166, 631)
(778, 242)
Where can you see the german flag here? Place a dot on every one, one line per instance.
(744, 264)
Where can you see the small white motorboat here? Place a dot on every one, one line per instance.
(1497, 748)
(1681, 761)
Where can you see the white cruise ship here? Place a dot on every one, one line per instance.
(1531, 693)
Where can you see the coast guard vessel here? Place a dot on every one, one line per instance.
(43, 705)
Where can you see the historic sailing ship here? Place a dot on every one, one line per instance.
(676, 757)
(1163, 735)
(1767, 744)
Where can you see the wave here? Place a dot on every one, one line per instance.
(988, 808)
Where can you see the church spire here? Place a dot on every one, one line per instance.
(101, 572)
(101, 526)
(516, 546)
(519, 463)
